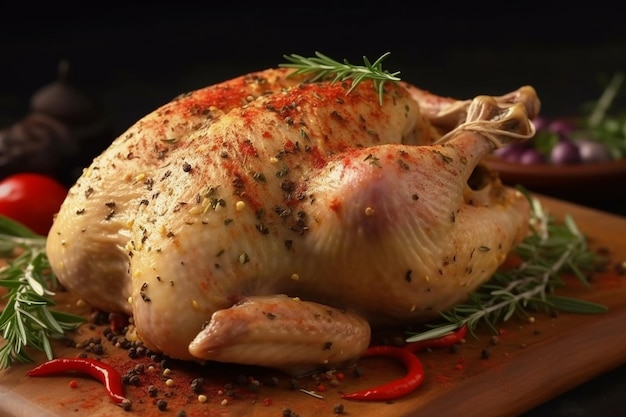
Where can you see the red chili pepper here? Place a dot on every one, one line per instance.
(103, 372)
(443, 341)
(415, 371)
(397, 388)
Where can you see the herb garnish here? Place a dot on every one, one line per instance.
(27, 321)
(324, 67)
(607, 127)
(603, 122)
(551, 249)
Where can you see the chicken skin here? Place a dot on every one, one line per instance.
(273, 221)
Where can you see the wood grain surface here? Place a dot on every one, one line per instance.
(529, 363)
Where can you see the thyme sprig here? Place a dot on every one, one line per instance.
(323, 67)
(27, 321)
(551, 250)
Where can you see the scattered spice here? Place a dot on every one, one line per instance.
(162, 405)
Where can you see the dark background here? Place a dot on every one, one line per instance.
(134, 58)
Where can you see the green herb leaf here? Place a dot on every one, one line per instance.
(434, 333)
(323, 68)
(605, 123)
(573, 305)
(544, 141)
(27, 320)
(13, 228)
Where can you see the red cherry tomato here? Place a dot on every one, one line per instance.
(32, 200)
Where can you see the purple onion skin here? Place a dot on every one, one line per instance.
(532, 156)
(592, 151)
(541, 123)
(561, 127)
(512, 152)
(565, 152)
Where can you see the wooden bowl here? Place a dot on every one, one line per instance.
(577, 182)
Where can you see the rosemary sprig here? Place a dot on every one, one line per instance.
(551, 249)
(323, 67)
(27, 320)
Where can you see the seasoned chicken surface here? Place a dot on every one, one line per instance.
(272, 221)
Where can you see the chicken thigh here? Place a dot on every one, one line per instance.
(272, 221)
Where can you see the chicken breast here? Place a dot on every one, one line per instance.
(273, 221)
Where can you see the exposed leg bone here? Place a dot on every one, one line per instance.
(446, 113)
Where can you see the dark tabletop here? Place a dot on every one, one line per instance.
(132, 59)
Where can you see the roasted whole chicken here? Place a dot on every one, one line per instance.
(275, 221)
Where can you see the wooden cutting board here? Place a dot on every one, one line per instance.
(531, 362)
